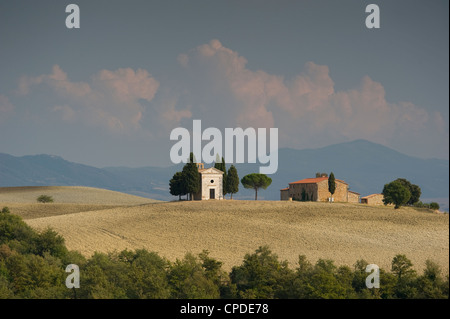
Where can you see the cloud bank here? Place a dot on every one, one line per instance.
(214, 84)
(307, 109)
(111, 99)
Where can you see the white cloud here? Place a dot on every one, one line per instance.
(215, 85)
(307, 109)
(110, 100)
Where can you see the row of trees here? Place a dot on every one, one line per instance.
(32, 265)
(188, 181)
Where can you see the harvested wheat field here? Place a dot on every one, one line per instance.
(67, 200)
(230, 229)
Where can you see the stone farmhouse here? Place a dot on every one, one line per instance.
(374, 199)
(316, 189)
(211, 183)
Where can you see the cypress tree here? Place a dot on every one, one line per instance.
(220, 165)
(225, 178)
(331, 185)
(191, 177)
(232, 181)
(176, 185)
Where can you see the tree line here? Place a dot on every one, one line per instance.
(188, 181)
(32, 265)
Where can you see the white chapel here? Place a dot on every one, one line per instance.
(211, 183)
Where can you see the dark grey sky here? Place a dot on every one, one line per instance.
(110, 92)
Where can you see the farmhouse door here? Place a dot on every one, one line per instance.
(212, 193)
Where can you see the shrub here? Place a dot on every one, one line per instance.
(260, 275)
(325, 282)
(148, 273)
(434, 206)
(15, 233)
(50, 241)
(45, 199)
(431, 284)
(189, 279)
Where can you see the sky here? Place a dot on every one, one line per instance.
(110, 92)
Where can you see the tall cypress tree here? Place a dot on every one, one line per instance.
(220, 165)
(191, 177)
(232, 181)
(331, 185)
(176, 185)
(224, 179)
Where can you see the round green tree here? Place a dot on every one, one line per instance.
(256, 181)
(413, 189)
(396, 193)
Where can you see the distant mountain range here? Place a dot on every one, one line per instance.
(366, 166)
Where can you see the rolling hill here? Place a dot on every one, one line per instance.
(229, 229)
(366, 166)
(67, 200)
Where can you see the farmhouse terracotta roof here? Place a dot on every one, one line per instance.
(284, 189)
(314, 180)
(354, 192)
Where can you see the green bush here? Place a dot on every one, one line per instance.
(260, 275)
(190, 280)
(49, 241)
(15, 233)
(45, 199)
(148, 273)
(434, 206)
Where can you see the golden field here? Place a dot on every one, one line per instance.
(229, 229)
